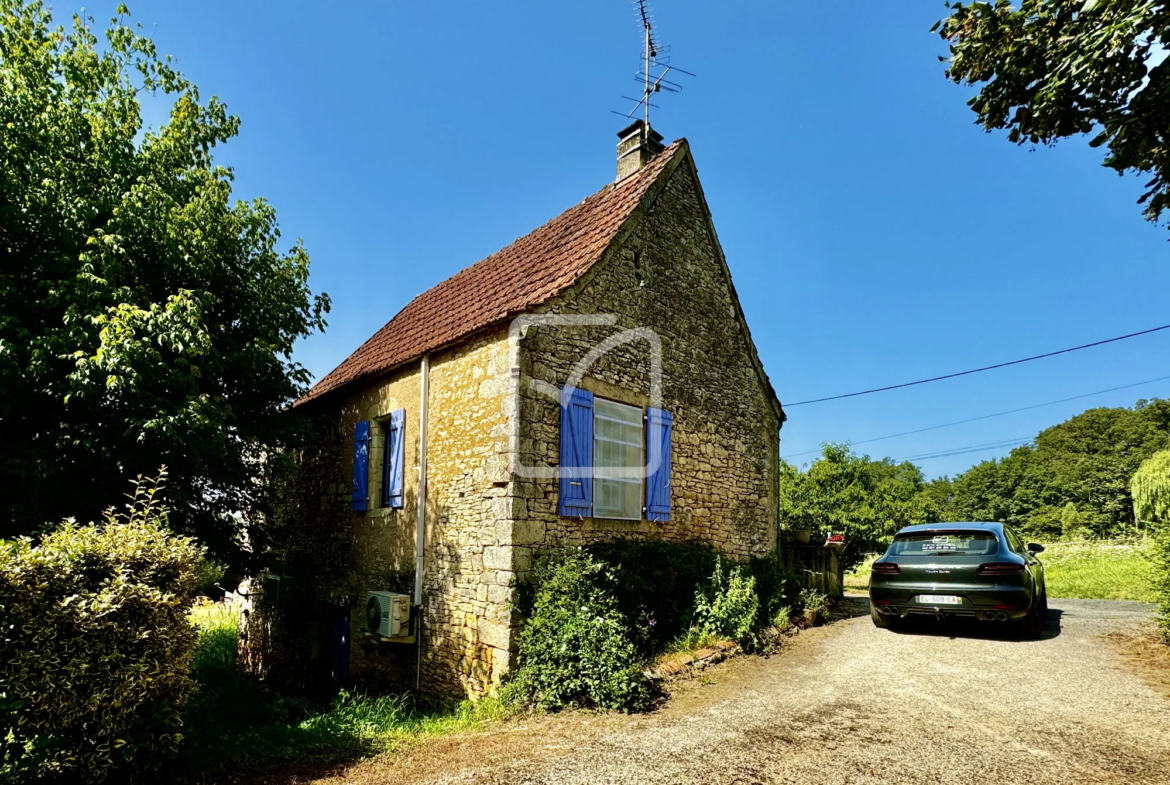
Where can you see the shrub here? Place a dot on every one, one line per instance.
(727, 604)
(777, 587)
(655, 584)
(96, 645)
(576, 648)
(810, 600)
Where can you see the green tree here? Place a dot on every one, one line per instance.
(866, 500)
(1151, 489)
(1086, 461)
(145, 317)
(1050, 69)
(1071, 522)
(1151, 499)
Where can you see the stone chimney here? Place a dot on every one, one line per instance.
(637, 144)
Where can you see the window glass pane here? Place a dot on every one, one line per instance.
(930, 543)
(618, 411)
(617, 460)
(617, 431)
(617, 499)
(611, 455)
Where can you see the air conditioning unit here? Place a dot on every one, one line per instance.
(387, 614)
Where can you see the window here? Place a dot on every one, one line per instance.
(617, 461)
(935, 543)
(603, 467)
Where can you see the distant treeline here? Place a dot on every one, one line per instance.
(1072, 482)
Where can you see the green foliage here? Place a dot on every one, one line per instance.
(811, 600)
(595, 616)
(1051, 69)
(233, 723)
(1151, 497)
(727, 604)
(655, 584)
(576, 648)
(866, 500)
(781, 619)
(1101, 570)
(96, 645)
(145, 317)
(208, 573)
(1150, 487)
(776, 586)
(1087, 462)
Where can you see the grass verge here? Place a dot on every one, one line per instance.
(858, 578)
(1147, 652)
(235, 724)
(1106, 570)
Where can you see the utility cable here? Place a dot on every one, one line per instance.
(978, 370)
(989, 416)
(967, 449)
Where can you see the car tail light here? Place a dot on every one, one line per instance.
(885, 568)
(1000, 568)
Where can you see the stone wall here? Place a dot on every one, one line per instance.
(667, 275)
(343, 554)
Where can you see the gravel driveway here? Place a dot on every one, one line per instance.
(853, 704)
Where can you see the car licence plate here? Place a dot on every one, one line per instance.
(940, 599)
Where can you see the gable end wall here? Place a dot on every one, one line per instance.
(667, 275)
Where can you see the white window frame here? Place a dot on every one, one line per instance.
(628, 475)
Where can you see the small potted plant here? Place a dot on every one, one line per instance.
(813, 603)
(835, 542)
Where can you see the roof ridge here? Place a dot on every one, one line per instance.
(526, 272)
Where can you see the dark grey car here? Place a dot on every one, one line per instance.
(981, 571)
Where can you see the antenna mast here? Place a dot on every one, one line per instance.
(652, 60)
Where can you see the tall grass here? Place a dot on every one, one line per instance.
(235, 723)
(1101, 570)
(858, 577)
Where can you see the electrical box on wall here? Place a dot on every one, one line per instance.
(388, 614)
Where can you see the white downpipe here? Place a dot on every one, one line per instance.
(420, 538)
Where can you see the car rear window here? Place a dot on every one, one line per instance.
(966, 542)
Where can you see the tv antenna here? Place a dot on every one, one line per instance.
(655, 65)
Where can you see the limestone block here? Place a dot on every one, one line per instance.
(497, 636)
(497, 557)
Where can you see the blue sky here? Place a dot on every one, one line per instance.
(875, 235)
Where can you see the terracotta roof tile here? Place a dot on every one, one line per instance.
(528, 272)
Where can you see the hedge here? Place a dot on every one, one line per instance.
(95, 646)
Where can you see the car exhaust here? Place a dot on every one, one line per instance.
(1001, 616)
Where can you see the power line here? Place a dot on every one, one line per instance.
(979, 370)
(989, 416)
(968, 449)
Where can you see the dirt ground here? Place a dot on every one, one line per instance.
(849, 703)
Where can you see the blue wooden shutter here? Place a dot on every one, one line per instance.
(576, 453)
(361, 463)
(658, 484)
(395, 461)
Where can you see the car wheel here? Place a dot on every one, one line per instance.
(1044, 605)
(882, 622)
(1029, 626)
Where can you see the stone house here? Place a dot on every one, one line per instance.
(595, 379)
